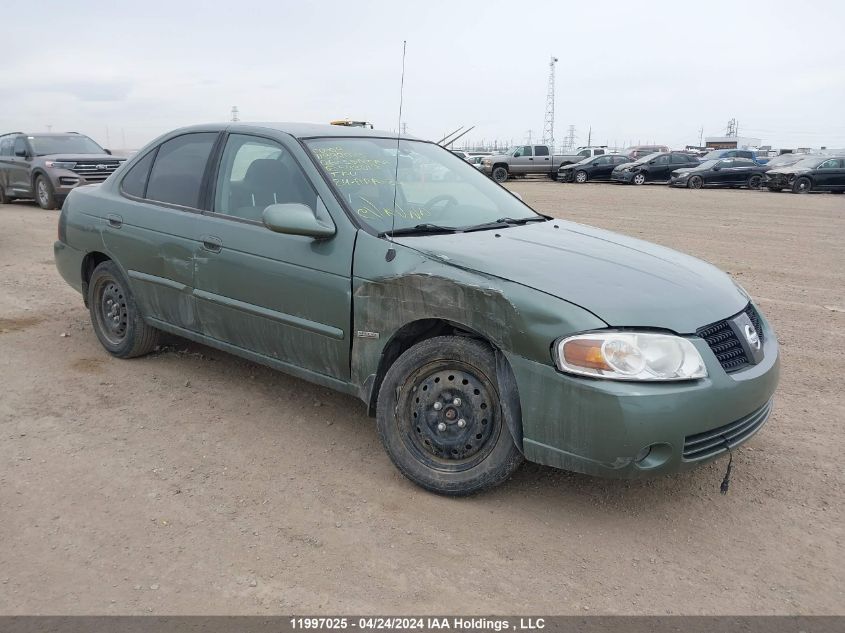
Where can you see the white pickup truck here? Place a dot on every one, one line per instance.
(534, 159)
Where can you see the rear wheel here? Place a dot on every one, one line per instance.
(115, 316)
(44, 194)
(500, 174)
(440, 417)
(755, 181)
(638, 179)
(695, 182)
(580, 176)
(802, 185)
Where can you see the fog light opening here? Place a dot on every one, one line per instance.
(653, 456)
(642, 454)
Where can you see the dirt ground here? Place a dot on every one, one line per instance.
(191, 481)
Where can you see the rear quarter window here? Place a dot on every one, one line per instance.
(135, 181)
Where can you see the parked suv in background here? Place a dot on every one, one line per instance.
(639, 151)
(47, 166)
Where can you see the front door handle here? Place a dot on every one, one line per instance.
(530, 159)
(211, 243)
(115, 221)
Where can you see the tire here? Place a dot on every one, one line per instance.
(500, 174)
(426, 394)
(3, 199)
(695, 182)
(581, 177)
(115, 316)
(44, 194)
(755, 181)
(638, 179)
(802, 185)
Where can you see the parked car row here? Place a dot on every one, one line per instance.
(799, 173)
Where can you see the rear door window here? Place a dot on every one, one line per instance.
(6, 146)
(176, 176)
(541, 150)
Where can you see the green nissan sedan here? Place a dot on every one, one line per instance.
(476, 331)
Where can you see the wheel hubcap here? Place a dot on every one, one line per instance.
(639, 179)
(453, 417)
(112, 313)
(581, 177)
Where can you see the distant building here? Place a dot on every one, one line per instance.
(732, 142)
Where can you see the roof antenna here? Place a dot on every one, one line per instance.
(391, 252)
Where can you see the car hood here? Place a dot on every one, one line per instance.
(81, 157)
(788, 171)
(624, 281)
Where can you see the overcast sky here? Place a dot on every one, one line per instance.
(634, 71)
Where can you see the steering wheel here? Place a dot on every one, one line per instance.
(449, 201)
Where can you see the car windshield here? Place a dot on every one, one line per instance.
(433, 186)
(786, 159)
(707, 164)
(647, 158)
(65, 144)
(810, 163)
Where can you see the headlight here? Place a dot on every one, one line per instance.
(630, 356)
(59, 164)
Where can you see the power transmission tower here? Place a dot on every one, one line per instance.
(549, 122)
(404, 128)
(590, 137)
(235, 116)
(701, 136)
(529, 137)
(570, 139)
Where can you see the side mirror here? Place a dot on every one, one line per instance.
(21, 153)
(651, 162)
(107, 151)
(295, 219)
(717, 167)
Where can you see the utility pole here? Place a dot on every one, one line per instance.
(590, 137)
(549, 121)
(529, 136)
(235, 114)
(570, 139)
(701, 136)
(404, 128)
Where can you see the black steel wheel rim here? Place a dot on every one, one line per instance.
(449, 416)
(111, 311)
(754, 182)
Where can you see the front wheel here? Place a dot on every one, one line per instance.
(802, 185)
(695, 182)
(580, 176)
(440, 417)
(500, 174)
(755, 181)
(115, 316)
(638, 179)
(44, 194)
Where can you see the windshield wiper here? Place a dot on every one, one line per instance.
(418, 229)
(505, 222)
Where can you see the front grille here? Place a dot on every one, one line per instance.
(725, 344)
(712, 442)
(96, 171)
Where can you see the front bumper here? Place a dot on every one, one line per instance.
(599, 427)
(678, 181)
(622, 176)
(565, 176)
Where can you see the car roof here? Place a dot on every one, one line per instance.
(297, 130)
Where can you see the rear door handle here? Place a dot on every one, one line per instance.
(211, 243)
(115, 221)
